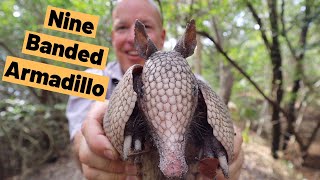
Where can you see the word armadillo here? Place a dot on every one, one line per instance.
(161, 116)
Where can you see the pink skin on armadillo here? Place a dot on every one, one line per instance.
(173, 165)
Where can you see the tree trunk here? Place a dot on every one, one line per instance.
(277, 79)
(291, 114)
(297, 78)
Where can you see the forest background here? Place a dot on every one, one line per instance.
(262, 57)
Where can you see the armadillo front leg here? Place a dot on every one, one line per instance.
(212, 128)
(135, 133)
(212, 148)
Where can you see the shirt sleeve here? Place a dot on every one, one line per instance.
(77, 109)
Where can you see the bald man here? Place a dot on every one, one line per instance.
(97, 157)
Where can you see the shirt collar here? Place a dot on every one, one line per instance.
(113, 70)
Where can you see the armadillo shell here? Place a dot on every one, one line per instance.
(219, 119)
(120, 108)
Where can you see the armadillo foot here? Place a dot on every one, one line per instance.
(130, 146)
(214, 149)
(221, 154)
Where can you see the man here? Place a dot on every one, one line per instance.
(97, 157)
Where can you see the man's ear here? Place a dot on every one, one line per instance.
(163, 38)
(142, 42)
(187, 43)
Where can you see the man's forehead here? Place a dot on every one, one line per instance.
(144, 10)
(126, 20)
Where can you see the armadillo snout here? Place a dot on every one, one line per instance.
(173, 166)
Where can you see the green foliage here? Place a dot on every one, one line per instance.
(27, 129)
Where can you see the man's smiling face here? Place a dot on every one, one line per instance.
(124, 18)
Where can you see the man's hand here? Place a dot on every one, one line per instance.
(98, 158)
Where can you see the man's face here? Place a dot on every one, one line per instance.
(123, 30)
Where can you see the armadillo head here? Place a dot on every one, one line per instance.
(169, 96)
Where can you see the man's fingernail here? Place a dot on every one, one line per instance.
(109, 154)
(131, 169)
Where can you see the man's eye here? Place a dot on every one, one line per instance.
(121, 28)
(148, 26)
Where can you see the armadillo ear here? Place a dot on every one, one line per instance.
(187, 43)
(142, 42)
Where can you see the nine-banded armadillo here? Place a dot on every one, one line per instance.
(162, 112)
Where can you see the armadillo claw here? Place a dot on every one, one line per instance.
(130, 141)
(224, 166)
(137, 145)
(137, 148)
(126, 146)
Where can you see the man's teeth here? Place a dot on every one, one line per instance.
(133, 53)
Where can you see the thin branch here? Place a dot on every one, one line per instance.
(304, 31)
(216, 30)
(313, 135)
(303, 34)
(259, 21)
(231, 61)
(298, 138)
(284, 30)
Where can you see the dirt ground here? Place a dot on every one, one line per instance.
(258, 164)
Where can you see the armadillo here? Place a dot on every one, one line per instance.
(161, 116)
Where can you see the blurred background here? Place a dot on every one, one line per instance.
(262, 57)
